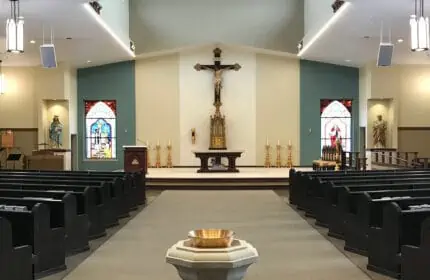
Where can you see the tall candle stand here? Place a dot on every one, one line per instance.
(169, 155)
(290, 156)
(158, 156)
(278, 156)
(267, 157)
(148, 155)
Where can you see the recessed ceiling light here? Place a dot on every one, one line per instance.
(32, 42)
(347, 60)
(88, 61)
(400, 40)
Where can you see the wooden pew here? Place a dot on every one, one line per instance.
(369, 212)
(415, 257)
(400, 226)
(324, 206)
(109, 212)
(87, 202)
(135, 180)
(15, 262)
(33, 227)
(114, 198)
(63, 212)
(304, 183)
(345, 202)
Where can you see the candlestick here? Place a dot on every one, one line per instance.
(267, 157)
(158, 155)
(278, 155)
(290, 156)
(169, 155)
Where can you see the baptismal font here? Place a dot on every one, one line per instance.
(211, 254)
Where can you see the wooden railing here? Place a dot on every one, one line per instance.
(392, 157)
(352, 160)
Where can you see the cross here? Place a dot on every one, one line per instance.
(217, 68)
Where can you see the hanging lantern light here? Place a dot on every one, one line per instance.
(15, 29)
(419, 29)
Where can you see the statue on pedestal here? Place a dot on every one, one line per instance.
(379, 132)
(56, 132)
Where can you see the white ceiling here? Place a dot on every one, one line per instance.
(345, 40)
(162, 25)
(90, 42)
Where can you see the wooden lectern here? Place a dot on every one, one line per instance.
(135, 159)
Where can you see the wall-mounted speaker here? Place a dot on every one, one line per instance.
(385, 54)
(47, 56)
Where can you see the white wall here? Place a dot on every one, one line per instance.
(238, 97)
(157, 104)
(116, 14)
(278, 106)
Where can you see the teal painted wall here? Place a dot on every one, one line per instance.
(108, 82)
(324, 81)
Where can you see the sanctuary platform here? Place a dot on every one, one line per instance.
(247, 178)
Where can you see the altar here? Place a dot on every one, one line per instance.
(216, 156)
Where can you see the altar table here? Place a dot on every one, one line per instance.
(204, 157)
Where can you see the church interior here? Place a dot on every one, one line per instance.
(214, 140)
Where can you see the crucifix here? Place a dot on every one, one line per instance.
(217, 129)
(218, 69)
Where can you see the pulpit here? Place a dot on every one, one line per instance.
(135, 159)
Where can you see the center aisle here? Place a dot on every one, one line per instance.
(289, 247)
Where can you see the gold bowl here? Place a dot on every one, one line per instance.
(211, 238)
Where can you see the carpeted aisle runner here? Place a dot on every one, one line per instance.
(289, 247)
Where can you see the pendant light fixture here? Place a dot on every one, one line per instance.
(419, 29)
(15, 29)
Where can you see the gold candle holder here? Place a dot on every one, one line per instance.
(267, 157)
(148, 155)
(169, 155)
(290, 156)
(158, 156)
(278, 155)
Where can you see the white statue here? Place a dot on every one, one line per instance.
(380, 132)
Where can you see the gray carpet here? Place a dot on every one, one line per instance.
(289, 247)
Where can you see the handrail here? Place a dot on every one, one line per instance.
(394, 158)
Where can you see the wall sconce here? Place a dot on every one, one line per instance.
(193, 136)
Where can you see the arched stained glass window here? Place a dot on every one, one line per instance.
(336, 123)
(100, 129)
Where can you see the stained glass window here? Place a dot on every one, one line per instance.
(100, 132)
(336, 123)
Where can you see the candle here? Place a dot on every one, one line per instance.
(147, 143)
(289, 142)
(279, 143)
(158, 142)
(267, 140)
(169, 142)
